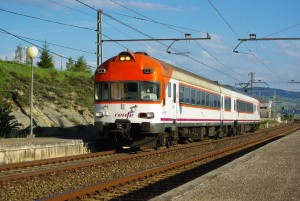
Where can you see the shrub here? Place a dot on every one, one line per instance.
(7, 121)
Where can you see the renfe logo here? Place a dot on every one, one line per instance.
(126, 115)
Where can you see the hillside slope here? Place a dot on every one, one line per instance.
(63, 101)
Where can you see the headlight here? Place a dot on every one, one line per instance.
(99, 114)
(124, 58)
(147, 115)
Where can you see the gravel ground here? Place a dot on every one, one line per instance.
(269, 173)
(44, 186)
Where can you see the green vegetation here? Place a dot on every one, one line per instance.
(7, 121)
(270, 122)
(46, 58)
(63, 88)
(18, 54)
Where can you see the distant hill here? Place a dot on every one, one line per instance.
(287, 100)
(270, 92)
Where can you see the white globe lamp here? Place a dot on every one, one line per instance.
(32, 52)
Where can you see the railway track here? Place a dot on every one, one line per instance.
(44, 183)
(136, 186)
(49, 166)
(34, 168)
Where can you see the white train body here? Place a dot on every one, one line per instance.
(143, 101)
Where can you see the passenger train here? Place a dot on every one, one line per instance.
(142, 101)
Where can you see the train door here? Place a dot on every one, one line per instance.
(235, 114)
(222, 108)
(170, 109)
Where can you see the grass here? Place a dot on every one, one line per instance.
(50, 85)
(264, 123)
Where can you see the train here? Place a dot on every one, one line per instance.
(142, 101)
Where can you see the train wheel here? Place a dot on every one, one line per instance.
(201, 136)
(219, 134)
(162, 140)
(168, 142)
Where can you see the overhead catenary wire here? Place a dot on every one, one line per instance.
(173, 48)
(109, 24)
(46, 20)
(277, 32)
(218, 59)
(257, 58)
(149, 48)
(22, 39)
(134, 29)
(70, 48)
(183, 32)
(60, 4)
(145, 18)
(123, 23)
(172, 27)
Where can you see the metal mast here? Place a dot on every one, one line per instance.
(99, 38)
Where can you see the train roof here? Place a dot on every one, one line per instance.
(190, 74)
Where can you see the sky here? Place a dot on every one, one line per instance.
(69, 28)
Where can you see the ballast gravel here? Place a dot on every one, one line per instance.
(270, 173)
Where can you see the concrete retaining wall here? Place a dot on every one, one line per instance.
(11, 152)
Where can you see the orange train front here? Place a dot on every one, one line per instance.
(141, 101)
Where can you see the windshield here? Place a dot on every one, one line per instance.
(146, 91)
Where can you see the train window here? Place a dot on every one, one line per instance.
(215, 101)
(207, 99)
(219, 101)
(234, 105)
(227, 103)
(193, 96)
(202, 98)
(101, 91)
(124, 90)
(169, 89)
(245, 107)
(181, 94)
(174, 93)
(198, 100)
(187, 95)
(149, 91)
(211, 100)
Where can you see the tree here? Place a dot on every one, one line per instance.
(27, 60)
(19, 54)
(7, 121)
(46, 59)
(70, 65)
(81, 65)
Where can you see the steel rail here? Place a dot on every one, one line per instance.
(127, 179)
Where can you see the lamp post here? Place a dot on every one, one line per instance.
(32, 52)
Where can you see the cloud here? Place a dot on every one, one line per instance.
(205, 54)
(97, 4)
(290, 48)
(150, 6)
(215, 43)
(131, 5)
